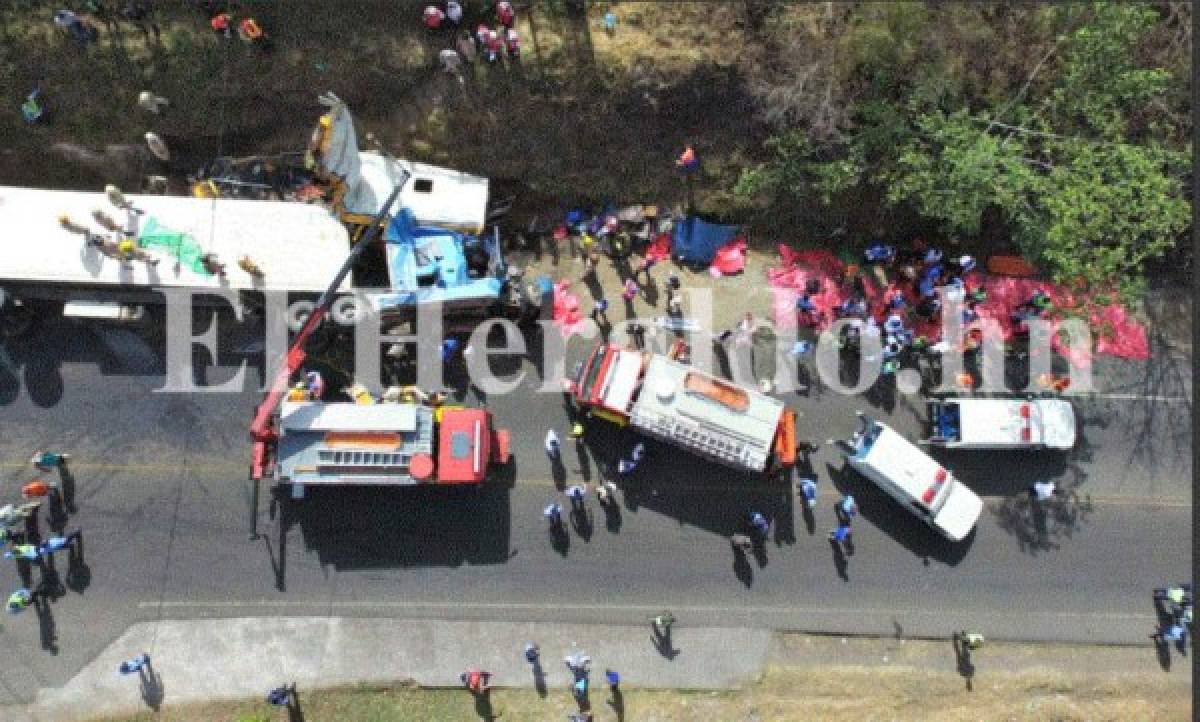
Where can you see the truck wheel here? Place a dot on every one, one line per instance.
(16, 318)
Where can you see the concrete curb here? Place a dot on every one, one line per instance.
(197, 660)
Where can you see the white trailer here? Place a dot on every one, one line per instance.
(47, 254)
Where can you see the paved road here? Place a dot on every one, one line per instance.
(162, 500)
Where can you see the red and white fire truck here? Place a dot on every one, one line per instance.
(684, 406)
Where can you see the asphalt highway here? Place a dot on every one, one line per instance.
(159, 482)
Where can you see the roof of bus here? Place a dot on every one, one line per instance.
(299, 247)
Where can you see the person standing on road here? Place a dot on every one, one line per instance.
(532, 653)
(614, 680)
(808, 490)
(27, 552)
(759, 523)
(1043, 490)
(135, 664)
(847, 508)
(606, 493)
(553, 514)
(553, 447)
(281, 696)
(841, 534)
(663, 623)
(741, 543)
(47, 460)
(576, 494)
(19, 600)
(58, 543)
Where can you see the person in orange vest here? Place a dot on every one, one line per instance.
(965, 380)
(250, 31)
(220, 24)
(688, 162)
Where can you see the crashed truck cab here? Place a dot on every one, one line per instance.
(683, 406)
(386, 444)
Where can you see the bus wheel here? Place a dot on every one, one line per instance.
(16, 318)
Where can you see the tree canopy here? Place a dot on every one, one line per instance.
(1067, 125)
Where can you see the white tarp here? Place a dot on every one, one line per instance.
(299, 247)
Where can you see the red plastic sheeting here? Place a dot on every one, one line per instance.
(1115, 332)
(731, 257)
(567, 314)
(660, 248)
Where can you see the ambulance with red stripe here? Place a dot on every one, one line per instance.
(917, 482)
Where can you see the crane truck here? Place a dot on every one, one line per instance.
(302, 442)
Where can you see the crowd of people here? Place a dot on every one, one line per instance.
(494, 40)
(22, 538)
(904, 321)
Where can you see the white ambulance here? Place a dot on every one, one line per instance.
(912, 478)
(970, 423)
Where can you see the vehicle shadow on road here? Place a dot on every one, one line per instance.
(876, 507)
(370, 527)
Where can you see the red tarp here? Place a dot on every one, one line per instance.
(730, 258)
(567, 314)
(1115, 332)
(660, 248)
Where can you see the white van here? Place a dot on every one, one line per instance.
(969, 423)
(915, 481)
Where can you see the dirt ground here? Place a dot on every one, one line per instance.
(810, 678)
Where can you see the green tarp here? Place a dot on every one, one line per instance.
(181, 246)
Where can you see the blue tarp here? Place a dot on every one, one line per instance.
(696, 241)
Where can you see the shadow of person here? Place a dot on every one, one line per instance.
(294, 710)
(612, 517)
(47, 628)
(51, 585)
(581, 520)
(663, 645)
(483, 706)
(79, 575)
(760, 553)
(618, 704)
(558, 472)
(151, 686)
(560, 540)
(1162, 650)
(962, 661)
(585, 466)
(539, 679)
(742, 569)
(839, 560)
(810, 520)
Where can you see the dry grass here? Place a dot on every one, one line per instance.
(832, 694)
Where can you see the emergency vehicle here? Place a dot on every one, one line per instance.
(971, 423)
(918, 483)
(304, 442)
(686, 407)
(384, 444)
